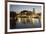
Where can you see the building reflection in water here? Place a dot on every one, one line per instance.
(28, 19)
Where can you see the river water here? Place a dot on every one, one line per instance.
(36, 24)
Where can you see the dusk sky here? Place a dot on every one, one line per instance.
(18, 8)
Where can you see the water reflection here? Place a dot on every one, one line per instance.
(28, 22)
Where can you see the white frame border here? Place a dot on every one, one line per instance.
(27, 29)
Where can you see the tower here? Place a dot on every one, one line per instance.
(33, 10)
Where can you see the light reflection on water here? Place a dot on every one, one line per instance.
(35, 24)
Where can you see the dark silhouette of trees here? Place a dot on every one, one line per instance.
(12, 14)
(12, 20)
